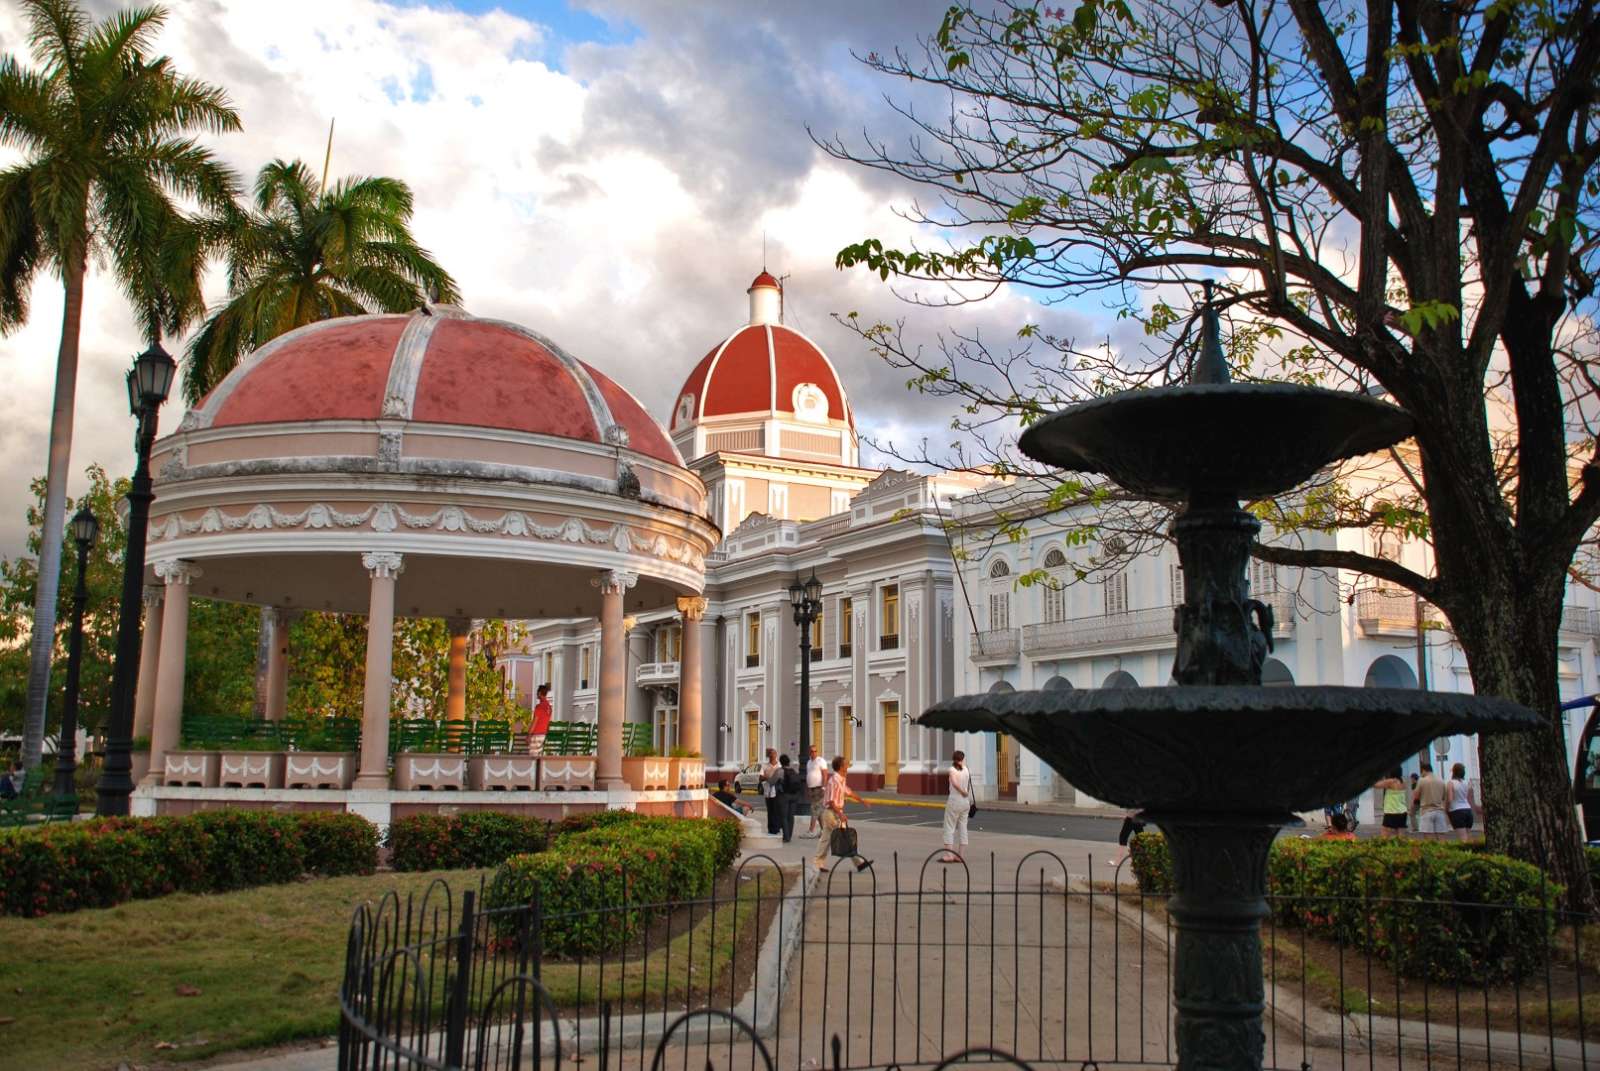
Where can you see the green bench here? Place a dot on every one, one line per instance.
(34, 806)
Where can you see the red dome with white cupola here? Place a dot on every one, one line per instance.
(765, 389)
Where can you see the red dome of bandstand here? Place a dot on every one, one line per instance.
(458, 370)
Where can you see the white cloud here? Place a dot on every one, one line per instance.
(612, 197)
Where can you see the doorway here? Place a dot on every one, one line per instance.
(666, 730)
(752, 736)
(1004, 756)
(891, 744)
(816, 735)
(847, 734)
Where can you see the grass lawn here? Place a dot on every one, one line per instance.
(186, 977)
(259, 967)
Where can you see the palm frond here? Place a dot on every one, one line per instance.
(20, 254)
(56, 32)
(26, 111)
(125, 35)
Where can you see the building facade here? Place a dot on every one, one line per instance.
(911, 617)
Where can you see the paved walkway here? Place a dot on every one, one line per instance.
(914, 960)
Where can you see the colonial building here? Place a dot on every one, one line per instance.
(766, 423)
(1115, 629)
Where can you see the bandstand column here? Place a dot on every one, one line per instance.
(383, 568)
(166, 723)
(144, 701)
(278, 665)
(613, 675)
(455, 703)
(693, 609)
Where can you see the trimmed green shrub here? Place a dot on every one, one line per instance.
(600, 882)
(338, 844)
(1431, 910)
(103, 862)
(473, 839)
(1152, 863)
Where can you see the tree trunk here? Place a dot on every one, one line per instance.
(55, 509)
(1528, 806)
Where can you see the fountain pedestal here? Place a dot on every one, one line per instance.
(1220, 869)
(1218, 762)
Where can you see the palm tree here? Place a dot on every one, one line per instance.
(105, 132)
(307, 253)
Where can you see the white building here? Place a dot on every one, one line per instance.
(765, 421)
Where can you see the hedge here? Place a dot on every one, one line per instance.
(473, 839)
(103, 862)
(1428, 909)
(603, 879)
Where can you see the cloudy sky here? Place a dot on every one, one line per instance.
(602, 171)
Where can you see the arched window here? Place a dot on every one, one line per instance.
(1389, 671)
(1120, 679)
(1057, 683)
(999, 569)
(1055, 592)
(1274, 674)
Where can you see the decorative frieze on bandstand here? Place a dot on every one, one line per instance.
(392, 517)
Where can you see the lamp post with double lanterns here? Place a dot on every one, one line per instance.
(85, 530)
(806, 598)
(149, 381)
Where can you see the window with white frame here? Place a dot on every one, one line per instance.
(1116, 588)
(1263, 578)
(585, 665)
(998, 569)
(999, 610)
(1055, 590)
(1174, 583)
(752, 639)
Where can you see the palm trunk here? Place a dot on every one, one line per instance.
(55, 509)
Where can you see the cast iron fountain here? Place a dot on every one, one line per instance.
(1217, 761)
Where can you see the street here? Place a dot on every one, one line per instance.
(992, 820)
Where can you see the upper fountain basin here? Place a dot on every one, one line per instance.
(1244, 440)
(1226, 749)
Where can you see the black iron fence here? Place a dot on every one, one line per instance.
(907, 963)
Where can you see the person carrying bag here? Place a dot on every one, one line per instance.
(837, 836)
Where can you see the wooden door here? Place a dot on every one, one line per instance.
(847, 735)
(816, 736)
(891, 745)
(752, 738)
(1002, 762)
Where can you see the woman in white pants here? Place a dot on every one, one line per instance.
(957, 808)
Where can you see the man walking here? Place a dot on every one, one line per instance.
(816, 774)
(1430, 797)
(834, 793)
(771, 785)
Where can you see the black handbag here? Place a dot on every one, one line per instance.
(972, 808)
(842, 842)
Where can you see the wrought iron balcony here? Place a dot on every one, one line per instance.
(1391, 612)
(1134, 627)
(1001, 643)
(650, 674)
(1580, 621)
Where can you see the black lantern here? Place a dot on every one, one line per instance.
(149, 382)
(85, 530)
(150, 378)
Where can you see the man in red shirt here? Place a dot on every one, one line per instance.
(541, 721)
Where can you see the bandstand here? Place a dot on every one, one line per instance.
(427, 465)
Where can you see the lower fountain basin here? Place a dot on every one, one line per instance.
(1226, 749)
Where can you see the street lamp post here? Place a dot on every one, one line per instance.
(806, 598)
(149, 380)
(85, 530)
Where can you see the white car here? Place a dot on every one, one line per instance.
(748, 779)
